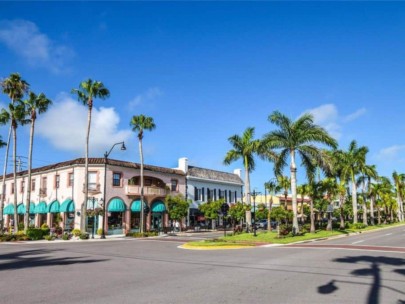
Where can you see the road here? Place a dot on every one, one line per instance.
(355, 269)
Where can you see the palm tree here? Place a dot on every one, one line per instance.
(272, 187)
(34, 104)
(303, 190)
(87, 91)
(367, 173)
(284, 183)
(297, 137)
(399, 182)
(16, 115)
(139, 124)
(314, 192)
(244, 148)
(353, 160)
(331, 189)
(15, 87)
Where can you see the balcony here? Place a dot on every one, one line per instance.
(93, 188)
(42, 192)
(136, 190)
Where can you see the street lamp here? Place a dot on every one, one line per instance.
(254, 194)
(106, 154)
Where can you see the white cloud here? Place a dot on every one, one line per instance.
(354, 115)
(147, 96)
(65, 124)
(391, 153)
(24, 38)
(327, 116)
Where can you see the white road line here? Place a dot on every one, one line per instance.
(358, 242)
(387, 234)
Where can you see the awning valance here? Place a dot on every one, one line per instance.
(68, 206)
(9, 209)
(158, 206)
(22, 210)
(54, 207)
(116, 205)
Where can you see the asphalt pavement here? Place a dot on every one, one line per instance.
(139, 271)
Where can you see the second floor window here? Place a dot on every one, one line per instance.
(57, 181)
(44, 181)
(33, 185)
(70, 179)
(174, 185)
(116, 179)
(22, 186)
(92, 181)
(12, 188)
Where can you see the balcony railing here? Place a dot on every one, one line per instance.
(136, 190)
(92, 188)
(42, 192)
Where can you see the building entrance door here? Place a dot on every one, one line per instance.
(157, 221)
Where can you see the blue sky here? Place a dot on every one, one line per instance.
(205, 71)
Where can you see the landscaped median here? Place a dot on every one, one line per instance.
(248, 240)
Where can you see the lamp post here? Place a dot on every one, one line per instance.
(254, 194)
(106, 154)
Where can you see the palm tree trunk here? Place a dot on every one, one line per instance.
(342, 213)
(3, 194)
(354, 200)
(311, 208)
(302, 209)
(379, 215)
(372, 210)
(294, 191)
(86, 168)
(399, 210)
(365, 222)
(15, 178)
(27, 206)
(247, 192)
(329, 226)
(142, 209)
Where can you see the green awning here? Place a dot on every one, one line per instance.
(136, 206)
(158, 206)
(41, 208)
(54, 207)
(9, 209)
(116, 205)
(21, 208)
(68, 206)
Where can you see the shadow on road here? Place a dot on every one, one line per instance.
(39, 258)
(374, 271)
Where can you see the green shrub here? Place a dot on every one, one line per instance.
(44, 226)
(76, 232)
(36, 233)
(84, 236)
(49, 237)
(100, 231)
(65, 237)
(285, 229)
(357, 226)
(20, 226)
(20, 232)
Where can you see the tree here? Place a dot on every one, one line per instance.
(353, 160)
(237, 212)
(399, 182)
(16, 115)
(86, 93)
(211, 209)
(367, 173)
(297, 137)
(35, 104)
(177, 207)
(140, 124)
(272, 187)
(15, 87)
(284, 183)
(303, 190)
(244, 148)
(331, 189)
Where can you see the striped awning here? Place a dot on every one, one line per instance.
(158, 206)
(41, 208)
(116, 205)
(54, 207)
(68, 206)
(136, 206)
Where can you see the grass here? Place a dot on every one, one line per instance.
(264, 237)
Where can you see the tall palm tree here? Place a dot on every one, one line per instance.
(244, 148)
(284, 182)
(367, 172)
(353, 160)
(331, 189)
(139, 124)
(399, 182)
(297, 137)
(35, 104)
(15, 87)
(86, 93)
(302, 190)
(314, 193)
(16, 114)
(272, 187)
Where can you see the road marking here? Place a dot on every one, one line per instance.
(357, 242)
(388, 234)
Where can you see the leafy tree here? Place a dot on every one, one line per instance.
(211, 209)
(86, 93)
(35, 104)
(284, 183)
(237, 212)
(297, 137)
(15, 88)
(302, 190)
(273, 187)
(139, 124)
(331, 189)
(261, 212)
(367, 173)
(399, 182)
(177, 207)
